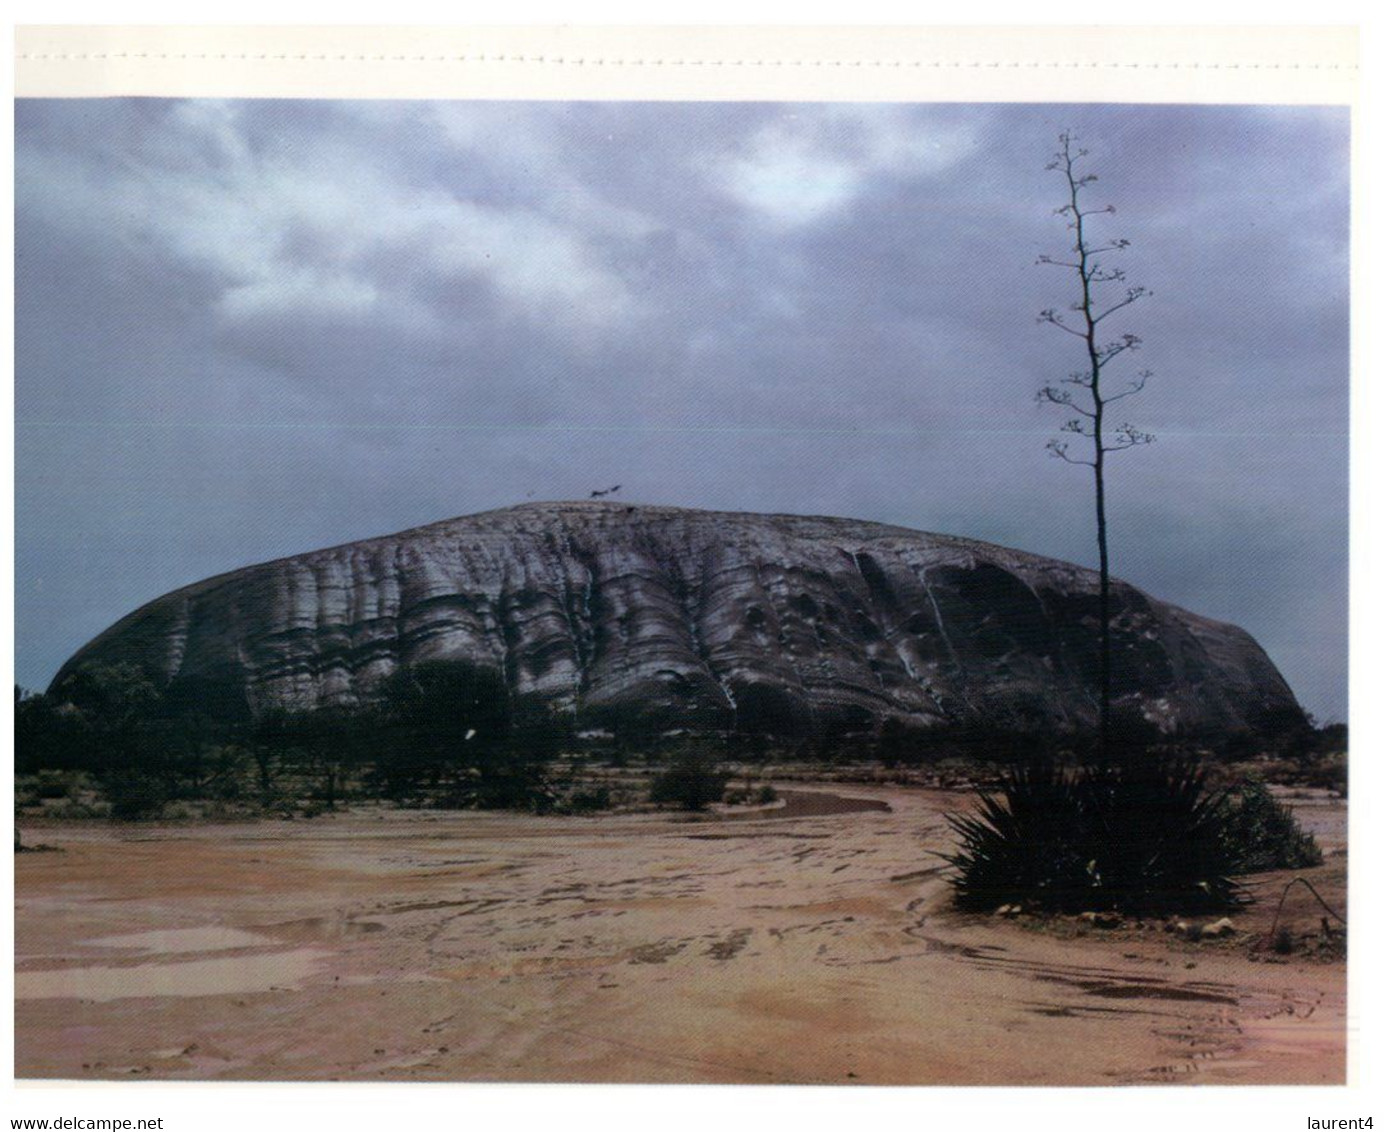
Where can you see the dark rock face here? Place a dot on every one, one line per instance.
(701, 619)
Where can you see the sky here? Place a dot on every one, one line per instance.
(249, 329)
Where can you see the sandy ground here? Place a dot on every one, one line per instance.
(798, 945)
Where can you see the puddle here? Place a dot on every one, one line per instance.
(1173, 994)
(1137, 986)
(322, 928)
(284, 970)
(179, 941)
(810, 804)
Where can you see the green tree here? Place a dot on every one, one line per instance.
(128, 751)
(899, 744)
(48, 735)
(448, 732)
(325, 745)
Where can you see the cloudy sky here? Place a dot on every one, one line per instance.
(249, 329)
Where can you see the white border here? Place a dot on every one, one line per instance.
(948, 64)
(1163, 64)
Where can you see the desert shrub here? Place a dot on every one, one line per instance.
(1328, 773)
(750, 795)
(898, 744)
(1134, 837)
(55, 784)
(25, 793)
(693, 780)
(1261, 833)
(52, 789)
(587, 800)
(134, 796)
(508, 781)
(77, 809)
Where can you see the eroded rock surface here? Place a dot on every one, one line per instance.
(697, 618)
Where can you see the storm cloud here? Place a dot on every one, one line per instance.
(247, 329)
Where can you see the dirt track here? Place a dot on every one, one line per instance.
(800, 946)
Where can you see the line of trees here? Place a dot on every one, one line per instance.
(447, 733)
(451, 734)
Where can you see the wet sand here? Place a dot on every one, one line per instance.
(808, 943)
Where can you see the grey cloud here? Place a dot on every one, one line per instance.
(248, 329)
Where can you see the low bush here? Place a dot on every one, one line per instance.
(1328, 773)
(1261, 833)
(693, 780)
(750, 795)
(588, 800)
(56, 784)
(134, 796)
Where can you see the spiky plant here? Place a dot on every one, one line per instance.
(1155, 832)
(1019, 845)
(1137, 838)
